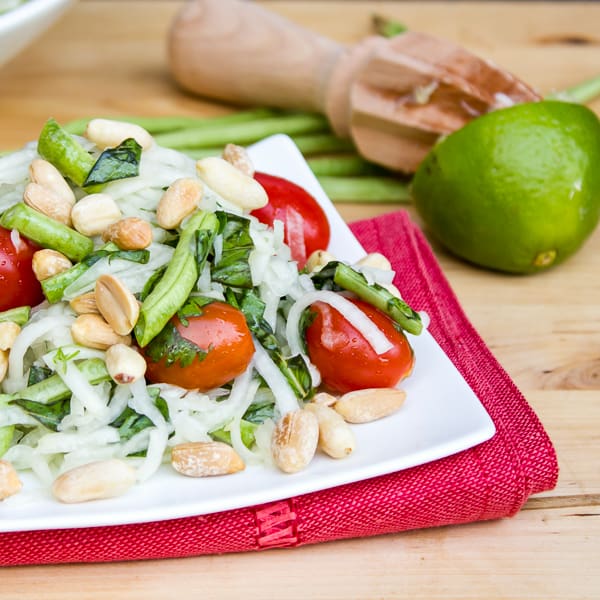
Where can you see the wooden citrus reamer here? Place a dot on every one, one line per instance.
(393, 97)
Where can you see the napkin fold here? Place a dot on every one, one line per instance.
(489, 481)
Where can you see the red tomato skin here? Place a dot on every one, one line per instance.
(346, 360)
(286, 196)
(18, 284)
(222, 332)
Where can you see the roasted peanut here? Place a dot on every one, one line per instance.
(335, 436)
(106, 133)
(10, 484)
(94, 481)
(124, 364)
(205, 459)
(179, 201)
(238, 157)
(231, 184)
(47, 263)
(44, 200)
(93, 331)
(94, 213)
(47, 175)
(9, 332)
(130, 233)
(116, 304)
(364, 406)
(85, 304)
(294, 440)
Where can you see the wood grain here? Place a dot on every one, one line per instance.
(109, 58)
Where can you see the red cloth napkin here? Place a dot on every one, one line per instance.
(489, 481)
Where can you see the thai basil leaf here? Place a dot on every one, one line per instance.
(130, 422)
(173, 347)
(137, 256)
(294, 369)
(116, 163)
(37, 374)
(204, 244)
(260, 412)
(49, 415)
(193, 308)
(233, 268)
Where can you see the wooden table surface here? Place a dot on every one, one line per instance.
(108, 57)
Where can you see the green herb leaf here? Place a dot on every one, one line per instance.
(294, 369)
(50, 415)
(37, 374)
(116, 163)
(170, 345)
(233, 268)
(130, 422)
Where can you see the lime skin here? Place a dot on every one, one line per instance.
(515, 190)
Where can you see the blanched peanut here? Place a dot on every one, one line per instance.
(9, 332)
(324, 398)
(106, 133)
(179, 201)
(92, 331)
(335, 436)
(44, 200)
(10, 484)
(116, 304)
(85, 304)
(94, 481)
(205, 459)
(124, 364)
(47, 263)
(239, 158)
(130, 233)
(48, 176)
(231, 184)
(94, 213)
(318, 259)
(294, 440)
(375, 260)
(364, 406)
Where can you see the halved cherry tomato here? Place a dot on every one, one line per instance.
(306, 227)
(221, 349)
(346, 360)
(18, 284)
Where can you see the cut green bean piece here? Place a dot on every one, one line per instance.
(53, 388)
(173, 289)
(398, 310)
(243, 133)
(583, 92)
(387, 27)
(19, 315)
(322, 143)
(156, 125)
(58, 147)
(55, 286)
(46, 232)
(366, 189)
(349, 165)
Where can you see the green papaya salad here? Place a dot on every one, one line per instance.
(157, 309)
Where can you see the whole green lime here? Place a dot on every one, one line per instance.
(517, 189)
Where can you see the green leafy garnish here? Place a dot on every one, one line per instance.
(173, 347)
(50, 415)
(233, 268)
(130, 422)
(116, 163)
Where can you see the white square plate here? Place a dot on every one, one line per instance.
(441, 416)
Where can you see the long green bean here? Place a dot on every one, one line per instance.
(46, 232)
(177, 282)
